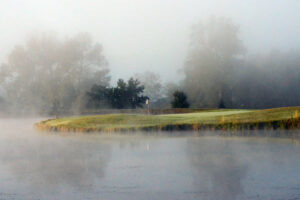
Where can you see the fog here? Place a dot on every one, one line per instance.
(219, 161)
(46, 163)
(139, 35)
(36, 165)
(75, 57)
(53, 52)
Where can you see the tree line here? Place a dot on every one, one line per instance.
(124, 95)
(218, 69)
(48, 74)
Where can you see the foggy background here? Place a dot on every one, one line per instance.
(139, 35)
(244, 53)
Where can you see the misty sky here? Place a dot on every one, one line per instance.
(140, 35)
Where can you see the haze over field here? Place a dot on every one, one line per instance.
(89, 89)
(71, 56)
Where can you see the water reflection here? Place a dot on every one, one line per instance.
(220, 172)
(37, 166)
(50, 162)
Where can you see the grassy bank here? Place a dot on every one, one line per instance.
(226, 119)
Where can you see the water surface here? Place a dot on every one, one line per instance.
(43, 166)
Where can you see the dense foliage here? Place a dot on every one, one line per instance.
(218, 68)
(211, 61)
(267, 81)
(221, 104)
(124, 95)
(48, 74)
(180, 100)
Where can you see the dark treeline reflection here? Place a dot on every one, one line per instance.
(244, 168)
(44, 166)
(220, 171)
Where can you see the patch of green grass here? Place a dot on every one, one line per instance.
(218, 118)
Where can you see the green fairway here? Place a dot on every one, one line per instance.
(284, 118)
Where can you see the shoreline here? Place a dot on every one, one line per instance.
(223, 120)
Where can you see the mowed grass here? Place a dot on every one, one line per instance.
(121, 122)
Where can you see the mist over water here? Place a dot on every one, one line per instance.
(43, 166)
(218, 162)
(97, 166)
(76, 57)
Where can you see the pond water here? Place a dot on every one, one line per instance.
(42, 166)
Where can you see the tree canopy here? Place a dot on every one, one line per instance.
(211, 61)
(180, 100)
(124, 95)
(48, 73)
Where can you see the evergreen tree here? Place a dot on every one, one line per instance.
(125, 95)
(221, 104)
(180, 100)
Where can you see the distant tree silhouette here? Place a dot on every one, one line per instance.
(97, 96)
(47, 73)
(211, 60)
(125, 95)
(180, 100)
(221, 104)
(134, 93)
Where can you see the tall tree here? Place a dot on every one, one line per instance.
(211, 61)
(135, 93)
(47, 72)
